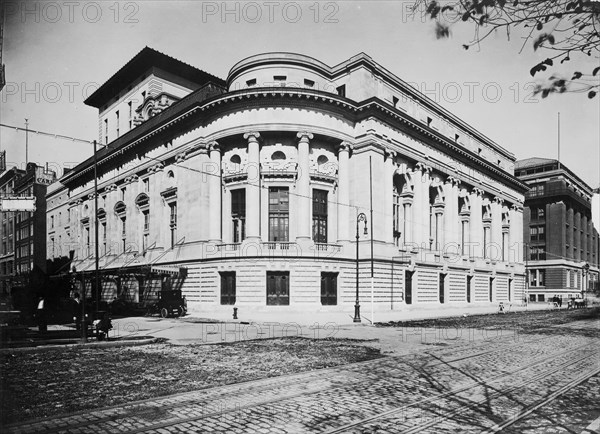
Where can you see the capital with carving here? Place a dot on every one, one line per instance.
(214, 146)
(111, 187)
(344, 146)
(388, 153)
(304, 136)
(477, 191)
(498, 200)
(423, 167)
(181, 157)
(252, 136)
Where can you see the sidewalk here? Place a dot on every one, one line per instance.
(286, 316)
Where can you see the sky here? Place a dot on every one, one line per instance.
(58, 52)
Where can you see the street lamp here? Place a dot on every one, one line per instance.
(360, 218)
(586, 271)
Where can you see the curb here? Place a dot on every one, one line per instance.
(113, 344)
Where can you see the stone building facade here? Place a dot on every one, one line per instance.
(560, 240)
(246, 191)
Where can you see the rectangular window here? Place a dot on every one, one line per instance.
(146, 221)
(130, 108)
(341, 90)
(51, 222)
(146, 182)
(118, 129)
(106, 131)
(329, 289)
(442, 287)
(103, 235)
(464, 230)
(309, 83)
(123, 189)
(228, 287)
(278, 288)
(469, 280)
(278, 213)
(408, 283)
(251, 82)
(238, 214)
(173, 223)
(491, 289)
(319, 216)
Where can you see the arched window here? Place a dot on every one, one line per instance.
(278, 155)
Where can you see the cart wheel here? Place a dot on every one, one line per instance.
(180, 311)
(164, 312)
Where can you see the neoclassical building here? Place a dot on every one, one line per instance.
(246, 191)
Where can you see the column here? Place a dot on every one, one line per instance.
(519, 230)
(344, 192)
(515, 246)
(476, 200)
(388, 190)
(253, 190)
(420, 211)
(304, 220)
(495, 250)
(451, 237)
(214, 193)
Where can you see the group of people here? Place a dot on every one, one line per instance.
(558, 300)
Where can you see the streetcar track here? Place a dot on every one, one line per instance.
(455, 392)
(528, 410)
(236, 388)
(497, 394)
(304, 393)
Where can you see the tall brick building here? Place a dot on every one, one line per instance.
(560, 241)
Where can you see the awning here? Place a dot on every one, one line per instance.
(168, 269)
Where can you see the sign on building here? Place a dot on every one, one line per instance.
(17, 204)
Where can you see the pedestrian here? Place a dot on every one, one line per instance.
(41, 316)
(560, 301)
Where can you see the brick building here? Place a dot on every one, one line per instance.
(560, 240)
(7, 231)
(30, 231)
(246, 191)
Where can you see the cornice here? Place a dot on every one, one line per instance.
(293, 97)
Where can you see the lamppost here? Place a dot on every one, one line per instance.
(526, 274)
(586, 272)
(360, 218)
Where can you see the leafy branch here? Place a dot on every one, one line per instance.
(564, 28)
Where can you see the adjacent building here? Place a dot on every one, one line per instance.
(7, 232)
(30, 232)
(250, 190)
(560, 241)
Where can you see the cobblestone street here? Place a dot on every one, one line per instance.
(544, 382)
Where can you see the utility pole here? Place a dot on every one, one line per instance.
(96, 237)
(26, 142)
